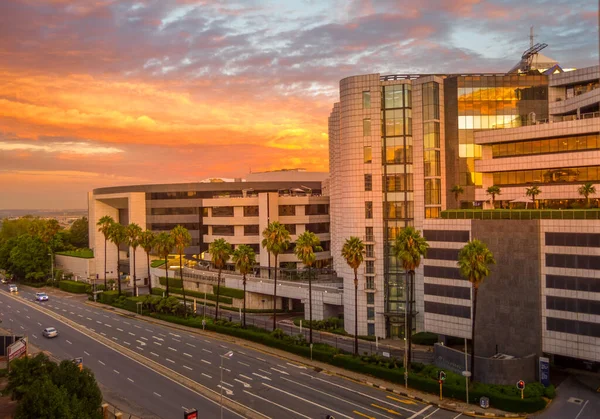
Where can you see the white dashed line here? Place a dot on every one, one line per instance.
(115, 338)
(157, 394)
(206, 350)
(247, 378)
(154, 354)
(186, 354)
(34, 336)
(279, 371)
(119, 329)
(172, 349)
(141, 337)
(189, 368)
(127, 343)
(86, 353)
(103, 334)
(260, 359)
(176, 340)
(89, 318)
(127, 323)
(141, 349)
(39, 324)
(28, 317)
(101, 362)
(130, 379)
(170, 360)
(80, 315)
(189, 344)
(117, 371)
(131, 334)
(107, 325)
(157, 343)
(243, 363)
(206, 375)
(135, 325)
(266, 372)
(206, 362)
(22, 327)
(69, 342)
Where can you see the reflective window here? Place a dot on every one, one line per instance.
(398, 182)
(369, 209)
(287, 210)
(431, 101)
(548, 145)
(550, 176)
(251, 230)
(222, 211)
(223, 230)
(393, 96)
(368, 182)
(316, 209)
(366, 100)
(370, 298)
(366, 126)
(251, 211)
(433, 191)
(370, 313)
(318, 228)
(367, 154)
(432, 164)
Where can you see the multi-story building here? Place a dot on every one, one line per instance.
(237, 210)
(399, 143)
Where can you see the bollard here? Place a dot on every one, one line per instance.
(104, 410)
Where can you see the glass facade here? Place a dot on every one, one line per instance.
(547, 146)
(431, 149)
(548, 176)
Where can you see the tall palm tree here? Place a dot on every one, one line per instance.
(220, 252)
(409, 247)
(457, 190)
(164, 245)
(244, 259)
(493, 190)
(586, 190)
(473, 261)
(117, 235)
(306, 245)
(533, 192)
(353, 252)
(147, 241)
(182, 239)
(134, 232)
(276, 239)
(103, 226)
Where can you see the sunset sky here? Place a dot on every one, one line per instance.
(105, 92)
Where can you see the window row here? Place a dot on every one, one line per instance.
(398, 183)
(173, 211)
(573, 239)
(431, 135)
(170, 226)
(573, 327)
(449, 291)
(318, 228)
(556, 260)
(545, 146)
(446, 236)
(432, 163)
(551, 176)
(398, 154)
(506, 92)
(396, 122)
(442, 254)
(573, 283)
(573, 305)
(222, 211)
(447, 309)
(311, 209)
(431, 101)
(433, 191)
(398, 210)
(442, 272)
(397, 96)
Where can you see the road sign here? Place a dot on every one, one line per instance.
(386, 354)
(79, 363)
(17, 349)
(544, 364)
(484, 402)
(190, 414)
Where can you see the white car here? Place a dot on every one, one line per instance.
(50, 332)
(13, 288)
(41, 296)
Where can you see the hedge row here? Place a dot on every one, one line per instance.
(109, 297)
(196, 294)
(229, 292)
(34, 284)
(73, 286)
(173, 282)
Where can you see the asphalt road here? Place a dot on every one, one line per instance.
(573, 401)
(265, 383)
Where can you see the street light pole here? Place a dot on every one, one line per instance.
(227, 355)
(406, 330)
(51, 265)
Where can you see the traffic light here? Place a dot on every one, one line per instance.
(441, 376)
(521, 384)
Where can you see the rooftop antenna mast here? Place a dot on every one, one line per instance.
(531, 37)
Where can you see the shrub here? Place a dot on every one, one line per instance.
(173, 282)
(79, 253)
(108, 297)
(229, 292)
(425, 338)
(549, 392)
(73, 286)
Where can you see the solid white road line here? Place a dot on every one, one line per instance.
(584, 405)
(419, 413)
(206, 375)
(307, 401)
(278, 405)
(457, 416)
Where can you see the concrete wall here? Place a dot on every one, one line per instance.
(491, 371)
(81, 268)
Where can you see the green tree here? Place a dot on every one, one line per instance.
(133, 232)
(79, 383)
(473, 262)
(409, 247)
(27, 370)
(306, 245)
(164, 245)
(44, 399)
(29, 258)
(353, 253)
(276, 239)
(244, 259)
(5, 248)
(117, 234)
(147, 241)
(103, 227)
(493, 191)
(220, 252)
(457, 190)
(182, 239)
(533, 192)
(79, 237)
(586, 190)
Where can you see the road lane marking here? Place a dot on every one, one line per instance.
(186, 354)
(22, 327)
(226, 390)
(131, 334)
(86, 353)
(207, 341)
(206, 375)
(98, 321)
(141, 349)
(119, 329)
(227, 384)
(170, 360)
(240, 352)
(157, 343)
(307, 401)
(173, 334)
(246, 385)
(281, 366)
(584, 405)
(69, 342)
(127, 323)
(107, 325)
(189, 344)
(243, 363)
(70, 312)
(189, 368)
(266, 372)
(39, 324)
(154, 354)
(143, 338)
(130, 379)
(103, 334)
(431, 414)
(457, 416)
(172, 349)
(34, 336)
(28, 317)
(206, 362)
(117, 371)
(260, 359)
(362, 414)
(297, 366)
(127, 343)
(101, 362)
(206, 350)
(420, 412)
(135, 325)
(80, 315)
(157, 394)
(261, 376)
(278, 405)
(247, 378)
(148, 330)
(385, 409)
(163, 335)
(279, 371)
(161, 339)
(401, 400)
(89, 318)
(115, 338)
(176, 340)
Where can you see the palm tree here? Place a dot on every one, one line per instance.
(352, 252)
(457, 190)
(134, 232)
(306, 245)
(117, 235)
(220, 252)
(586, 190)
(147, 241)
(244, 259)
(276, 239)
(182, 239)
(164, 245)
(409, 247)
(473, 261)
(493, 190)
(533, 192)
(103, 226)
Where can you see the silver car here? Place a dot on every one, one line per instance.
(12, 288)
(50, 332)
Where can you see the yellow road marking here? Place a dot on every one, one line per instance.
(362, 414)
(405, 401)
(393, 412)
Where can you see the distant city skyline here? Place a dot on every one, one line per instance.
(117, 92)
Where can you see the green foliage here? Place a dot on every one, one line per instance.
(549, 392)
(34, 284)
(332, 324)
(28, 258)
(47, 390)
(157, 263)
(353, 252)
(230, 292)
(173, 282)
(74, 286)
(108, 297)
(409, 247)
(79, 253)
(244, 259)
(79, 233)
(425, 338)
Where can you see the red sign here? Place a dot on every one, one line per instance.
(17, 349)
(192, 414)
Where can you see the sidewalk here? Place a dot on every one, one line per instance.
(451, 405)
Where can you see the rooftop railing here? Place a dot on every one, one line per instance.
(533, 214)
